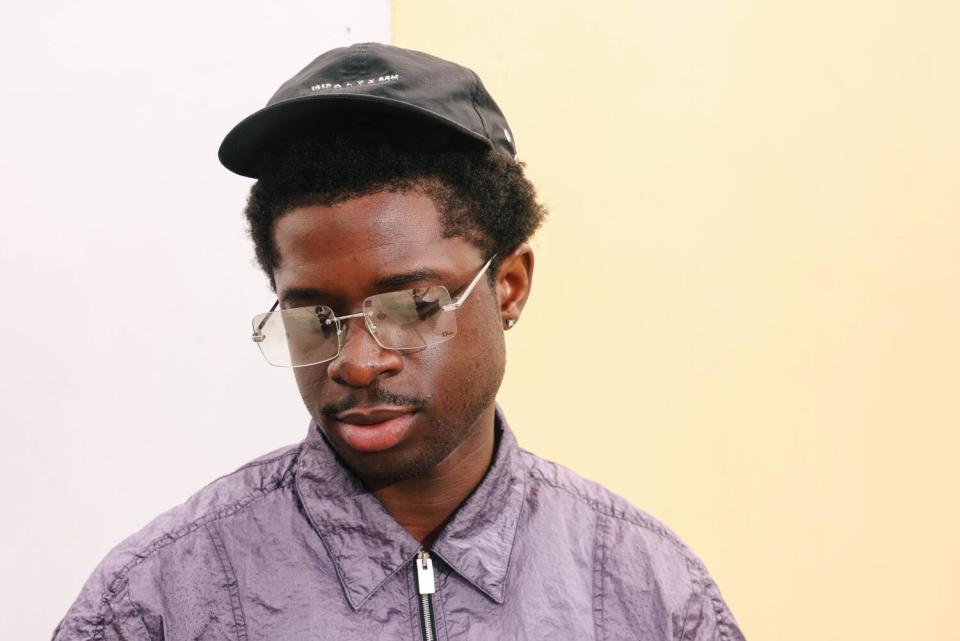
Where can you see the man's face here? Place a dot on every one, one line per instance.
(389, 414)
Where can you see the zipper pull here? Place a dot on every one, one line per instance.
(425, 582)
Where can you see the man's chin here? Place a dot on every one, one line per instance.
(411, 449)
(413, 458)
(386, 468)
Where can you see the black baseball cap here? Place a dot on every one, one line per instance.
(418, 97)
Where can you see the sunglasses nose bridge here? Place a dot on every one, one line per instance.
(362, 322)
(360, 359)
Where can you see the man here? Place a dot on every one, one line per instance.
(391, 216)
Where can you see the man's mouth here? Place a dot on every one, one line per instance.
(374, 429)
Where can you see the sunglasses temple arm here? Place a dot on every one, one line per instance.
(265, 318)
(462, 297)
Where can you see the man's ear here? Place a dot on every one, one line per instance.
(514, 279)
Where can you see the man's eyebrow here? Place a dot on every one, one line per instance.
(305, 293)
(393, 281)
(396, 281)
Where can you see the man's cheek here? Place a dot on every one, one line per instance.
(310, 384)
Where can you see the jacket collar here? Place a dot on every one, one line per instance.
(367, 546)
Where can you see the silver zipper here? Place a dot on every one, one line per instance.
(426, 586)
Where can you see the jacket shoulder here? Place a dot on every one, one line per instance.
(593, 496)
(104, 599)
(644, 571)
(625, 535)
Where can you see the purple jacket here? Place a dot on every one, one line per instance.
(291, 547)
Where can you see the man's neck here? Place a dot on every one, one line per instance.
(424, 505)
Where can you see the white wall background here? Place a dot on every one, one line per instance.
(127, 377)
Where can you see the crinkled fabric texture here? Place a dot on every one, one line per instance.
(291, 547)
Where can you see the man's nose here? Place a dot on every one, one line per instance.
(361, 360)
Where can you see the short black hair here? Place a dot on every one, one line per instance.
(482, 195)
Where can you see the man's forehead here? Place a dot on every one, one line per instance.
(357, 244)
(357, 276)
(360, 224)
(372, 261)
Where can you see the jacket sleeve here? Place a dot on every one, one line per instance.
(706, 616)
(104, 611)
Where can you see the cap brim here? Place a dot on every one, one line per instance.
(242, 149)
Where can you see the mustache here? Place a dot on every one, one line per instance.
(372, 397)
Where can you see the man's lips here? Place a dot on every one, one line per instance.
(371, 415)
(373, 429)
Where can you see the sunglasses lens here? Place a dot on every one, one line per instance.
(411, 319)
(297, 337)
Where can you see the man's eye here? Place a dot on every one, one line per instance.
(325, 321)
(427, 308)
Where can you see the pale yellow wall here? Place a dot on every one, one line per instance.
(745, 315)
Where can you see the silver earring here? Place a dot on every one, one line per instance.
(509, 323)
